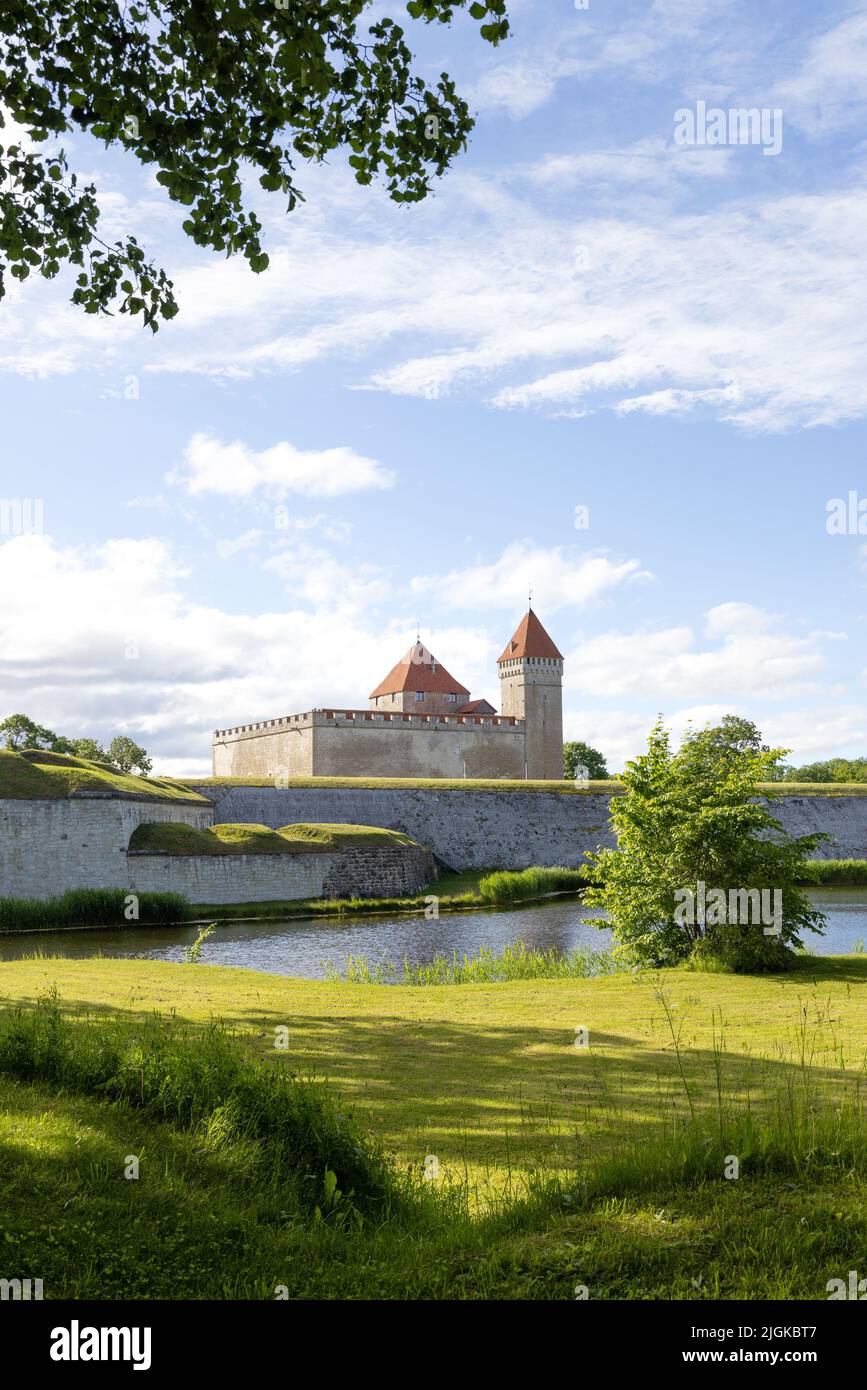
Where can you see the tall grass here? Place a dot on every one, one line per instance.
(201, 1082)
(91, 907)
(844, 872)
(514, 962)
(507, 886)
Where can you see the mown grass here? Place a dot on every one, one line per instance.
(227, 1139)
(91, 907)
(35, 774)
(173, 838)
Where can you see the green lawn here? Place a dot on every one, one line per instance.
(488, 1079)
(488, 1075)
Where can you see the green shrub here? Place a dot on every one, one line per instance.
(91, 907)
(740, 951)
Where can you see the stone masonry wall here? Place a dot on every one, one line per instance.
(375, 872)
(471, 829)
(371, 743)
(48, 847)
(380, 873)
(232, 878)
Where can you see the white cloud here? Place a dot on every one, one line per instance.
(754, 311)
(236, 470)
(95, 641)
(559, 577)
(751, 656)
(163, 667)
(316, 577)
(581, 45)
(100, 640)
(651, 161)
(827, 93)
(233, 545)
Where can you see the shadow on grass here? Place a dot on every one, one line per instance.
(515, 1097)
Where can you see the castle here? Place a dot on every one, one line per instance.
(420, 722)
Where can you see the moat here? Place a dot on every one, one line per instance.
(305, 947)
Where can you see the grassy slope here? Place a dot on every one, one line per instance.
(176, 838)
(36, 775)
(487, 1078)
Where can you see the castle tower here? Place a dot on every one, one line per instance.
(531, 677)
(419, 684)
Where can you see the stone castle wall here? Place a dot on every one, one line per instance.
(48, 847)
(509, 829)
(364, 872)
(370, 743)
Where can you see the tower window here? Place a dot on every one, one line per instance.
(419, 694)
(453, 699)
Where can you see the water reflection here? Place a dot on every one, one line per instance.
(302, 947)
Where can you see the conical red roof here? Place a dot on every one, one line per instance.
(530, 639)
(419, 670)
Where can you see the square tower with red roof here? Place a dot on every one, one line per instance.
(531, 686)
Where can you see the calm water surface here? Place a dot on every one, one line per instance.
(304, 947)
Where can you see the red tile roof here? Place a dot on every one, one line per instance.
(476, 707)
(530, 639)
(419, 670)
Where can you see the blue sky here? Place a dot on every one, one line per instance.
(247, 515)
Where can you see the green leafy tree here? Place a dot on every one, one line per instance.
(19, 731)
(128, 756)
(207, 93)
(692, 818)
(581, 755)
(88, 748)
(832, 770)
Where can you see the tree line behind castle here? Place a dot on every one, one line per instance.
(580, 760)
